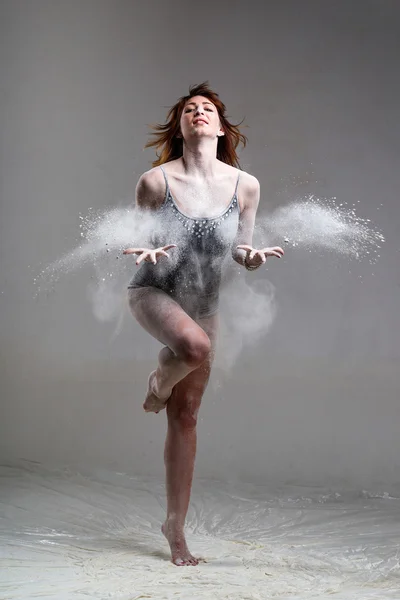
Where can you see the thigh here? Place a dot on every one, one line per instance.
(163, 318)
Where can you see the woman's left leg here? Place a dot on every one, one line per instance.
(180, 449)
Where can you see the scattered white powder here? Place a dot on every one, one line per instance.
(313, 224)
(318, 224)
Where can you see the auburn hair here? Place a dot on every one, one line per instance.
(168, 141)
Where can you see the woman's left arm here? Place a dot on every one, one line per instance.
(242, 250)
(249, 200)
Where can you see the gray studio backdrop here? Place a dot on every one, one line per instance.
(318, 83)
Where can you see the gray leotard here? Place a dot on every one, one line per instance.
(192, 273)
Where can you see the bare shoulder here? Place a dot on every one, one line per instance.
(249, 190)
(150, 189)
(249, 181)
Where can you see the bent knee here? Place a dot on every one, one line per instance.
(194, 349)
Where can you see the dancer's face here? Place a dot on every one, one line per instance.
(200, 118)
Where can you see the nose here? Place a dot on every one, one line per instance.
(199, 110)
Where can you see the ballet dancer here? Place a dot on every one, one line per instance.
(195, 184)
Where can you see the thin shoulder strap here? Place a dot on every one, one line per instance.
(165, 177)
(237, 183)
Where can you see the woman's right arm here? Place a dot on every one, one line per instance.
(149, 196)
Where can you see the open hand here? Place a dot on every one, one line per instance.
(149, 255)
(255, 258)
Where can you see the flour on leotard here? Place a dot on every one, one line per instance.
(193, 277)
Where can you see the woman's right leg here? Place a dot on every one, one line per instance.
(187, 345)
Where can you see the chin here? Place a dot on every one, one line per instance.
(201, 131)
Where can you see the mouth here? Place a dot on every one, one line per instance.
(199, 121)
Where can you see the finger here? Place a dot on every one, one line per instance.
(273, 251)
(252, 254)
(260, 254)
(132, 251)
(153, 257)
(141, 258)
(244, 247)
(169, 246)
(163, 253)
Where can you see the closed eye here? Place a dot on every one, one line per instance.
(187, 110)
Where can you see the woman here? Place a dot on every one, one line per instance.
(174, 296)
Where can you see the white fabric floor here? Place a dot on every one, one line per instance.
(67, 535)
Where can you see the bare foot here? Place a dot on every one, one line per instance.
(153, 402)
(180, 554)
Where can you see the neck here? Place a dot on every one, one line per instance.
(200, 157)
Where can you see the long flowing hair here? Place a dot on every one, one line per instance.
(168, 141)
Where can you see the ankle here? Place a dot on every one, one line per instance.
(174, 524)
